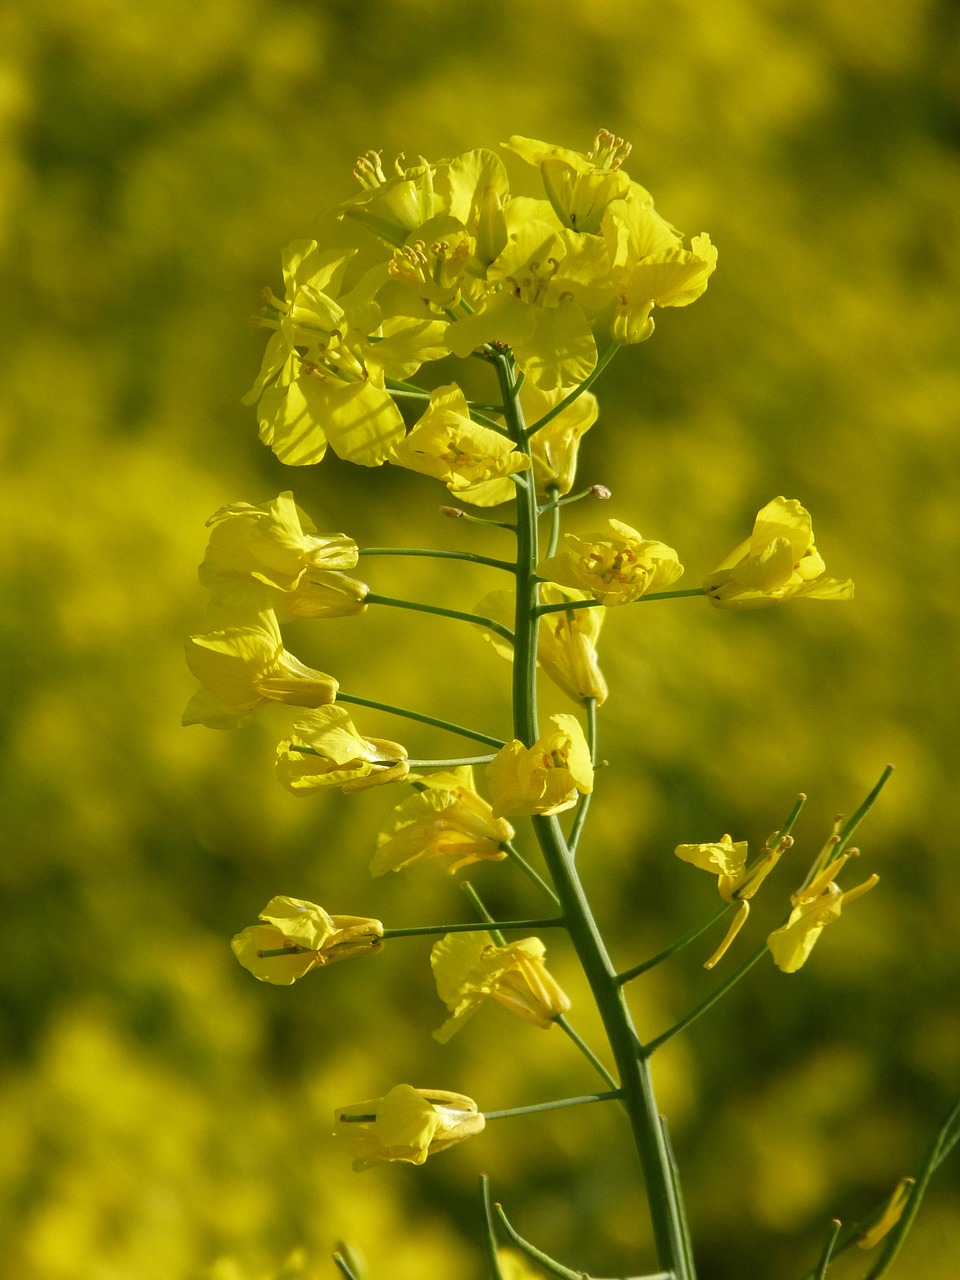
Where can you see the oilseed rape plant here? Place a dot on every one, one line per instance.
(536, 293)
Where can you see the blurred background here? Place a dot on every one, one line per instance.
(161, 1110)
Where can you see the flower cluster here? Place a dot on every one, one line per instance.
(432, 260)
(447, 261)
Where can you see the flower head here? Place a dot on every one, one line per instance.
(326, 750)
(407, 1124)
(545, 778)
(777, 562)
(615, 567)
(447, 819)
(470, 969)
(242, 668)
(307, 935)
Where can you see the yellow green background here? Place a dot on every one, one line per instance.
(159, 1109)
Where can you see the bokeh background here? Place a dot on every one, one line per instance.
(159, 1109)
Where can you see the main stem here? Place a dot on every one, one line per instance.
(666, 1210)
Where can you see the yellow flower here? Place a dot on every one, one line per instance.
(473, 461)
(325, 750)
(310, 937)
(723, 859)
(446, 819)
(545, 778)
(407, 1124)
(650, 266)
(242, 668)
(276, 543)
(566, 640)
(777, 562)
(315, 386)
(814, 907)
(543, 289)
(469, 969)
(616, 567)
(567, 645)
(728, 862)
(268, 555)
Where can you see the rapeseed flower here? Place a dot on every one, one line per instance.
(407, 1124)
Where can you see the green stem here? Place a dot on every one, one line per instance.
(585, 1049)
(515, 856)
(583, 808)
(596, 604)
(610, 1096)
(431, 554)
(828, 1250)
(542, 1259)
(525, 631)
(666, 1209)
(554, 922)
(571, 497)
(629, 974)
(587, 383)
(459, 615)
(851, 824)
(553, 506)
(477, 903)
(343, 1266)
(421, 718)
(490, 1233)
(652, 1045)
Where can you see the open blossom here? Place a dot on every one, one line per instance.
(473, 461)
(650, 266)
(617, 566)
(814, 907)
(309, 936)
(315, 385)
(325, 750)
(243, 668)
(407, 1124)
(777, 562)
(546, 778)
(470, 969)
(579, 185)
(448, 819)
